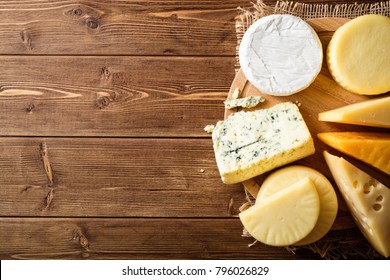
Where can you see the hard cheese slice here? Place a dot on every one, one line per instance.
(367, 199)
(248, 144)
(285, 217)
(280, 54)
(374, 112)
(287, 176)
(370, 147)
(358, 55)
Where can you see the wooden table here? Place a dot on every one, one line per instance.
(102, 148)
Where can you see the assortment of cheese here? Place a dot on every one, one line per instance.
(297, 205)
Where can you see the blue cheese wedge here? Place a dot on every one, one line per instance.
(246, 102)
(248, 144)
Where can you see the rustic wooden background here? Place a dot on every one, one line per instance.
(102, 148)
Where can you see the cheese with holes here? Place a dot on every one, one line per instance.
(248, 144)
(280, 54)
(368, 201)
(358, 55)
(372, 148)
(287, 176)
(373, 112)
(245, 102)
(285, 217)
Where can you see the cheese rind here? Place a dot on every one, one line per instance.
(285, 217)
(280, 54)
(372, 148)
(358, 55)
(248, 144)
(285, 177)
(367, 199)
(373, 112)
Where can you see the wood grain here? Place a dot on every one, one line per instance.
(125, 238)
(113, 177)
(111, 96)
(118, 27)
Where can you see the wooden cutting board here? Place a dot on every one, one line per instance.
(322, 95)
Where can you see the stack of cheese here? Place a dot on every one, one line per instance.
(358, 58)
(295, 205)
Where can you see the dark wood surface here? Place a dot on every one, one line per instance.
(102, 148)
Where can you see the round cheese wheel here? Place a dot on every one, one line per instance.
(280, 55)
(358, 55)
(287, 176)
(285, 217)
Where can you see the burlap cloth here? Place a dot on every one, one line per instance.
(342, 244)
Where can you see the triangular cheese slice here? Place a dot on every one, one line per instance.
(373, 112)
(367, 199)
(370, 147)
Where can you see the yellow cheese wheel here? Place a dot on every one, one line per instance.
(358, 55)
(285, 217)
(287, 176)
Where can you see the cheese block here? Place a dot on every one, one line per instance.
(287, 176)
(373, 112)
(285, 217)
(280, 54)
(246, 102)
(370, 147)
(248, 144)
(358, 55)
(368, 201)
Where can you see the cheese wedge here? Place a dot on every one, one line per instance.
(287, 176)
(285, 217)
(280, 54)
(369, 147)
(373, 112)
(358, 55)
(367, 199)
(248, 144)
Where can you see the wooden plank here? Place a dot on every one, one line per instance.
(110, 238)
(113, 177)
(112, 96)
(87, 27)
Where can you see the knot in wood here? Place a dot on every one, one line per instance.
(26, 37)
(92, 23)
(103, 101)
(84, 242)
(30, 108)
(76, 12)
